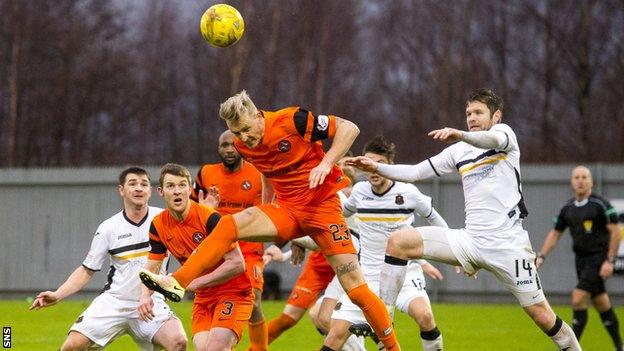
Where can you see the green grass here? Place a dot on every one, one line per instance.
(464, 326)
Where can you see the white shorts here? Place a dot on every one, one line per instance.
(108, 317)
(506, 254)
(413, 287)
(334, 290)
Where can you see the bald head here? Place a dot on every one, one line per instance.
(225, 136)
(582, 182)
(230, 157)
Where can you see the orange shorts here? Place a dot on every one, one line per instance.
(314, 278)
(223, 310)
(323, 222)
(254, 266)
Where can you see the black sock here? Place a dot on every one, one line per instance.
(555, 329)
(395, 261)
(326, 348)
(578, 322)
(431, 334)
(610, 321)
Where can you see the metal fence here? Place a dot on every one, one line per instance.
(48, 217)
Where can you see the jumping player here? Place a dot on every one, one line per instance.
(285, 146)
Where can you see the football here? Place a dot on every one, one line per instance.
(222, 25)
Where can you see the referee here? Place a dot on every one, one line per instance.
(593, 226)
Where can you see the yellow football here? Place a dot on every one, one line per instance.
(222, 25)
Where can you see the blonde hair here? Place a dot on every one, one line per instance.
(236, 106)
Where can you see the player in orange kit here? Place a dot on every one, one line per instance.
(239, 186)
(314, 278)
(285, 146)
(223, 298)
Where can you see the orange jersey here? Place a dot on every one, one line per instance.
(237, 191)
(181, 238)
(291, 147)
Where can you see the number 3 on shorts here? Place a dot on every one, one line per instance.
(339, 232)
(228, 306)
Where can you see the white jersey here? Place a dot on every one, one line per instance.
(491, 182)
(380, 214)
(351, 222)
(127, 245)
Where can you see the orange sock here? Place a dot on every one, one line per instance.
(258, 336)
(279, 325)
(376, 314)
(209, 252)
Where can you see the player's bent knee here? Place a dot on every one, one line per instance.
(405, 244)
(541, 313)
(323, 321)
(177, 343)
(425, 319)
(336, 337)
(76, 341)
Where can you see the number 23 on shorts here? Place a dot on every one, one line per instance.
(339, 232)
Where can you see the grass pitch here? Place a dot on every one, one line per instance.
(464, 327)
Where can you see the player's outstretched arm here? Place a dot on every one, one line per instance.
(346, 132)
(233, 265)
(402, 173)
(362, 163)
(486, 139)
(74, 283)
(549, 244)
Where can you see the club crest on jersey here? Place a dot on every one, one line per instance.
(246, 185)
(198, 237)
(283, 145)
(399, 200)
(588, 224)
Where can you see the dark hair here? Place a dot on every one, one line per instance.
(488, 97)
(381, 146)
(174, 169)
(132, 170)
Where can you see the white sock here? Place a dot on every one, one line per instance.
(354, 343)
(433, 345)
(432, 340)
(391, 280)
(564, 338)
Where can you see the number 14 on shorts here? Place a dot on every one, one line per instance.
(524, 272)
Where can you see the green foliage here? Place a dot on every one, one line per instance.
(464, 326)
